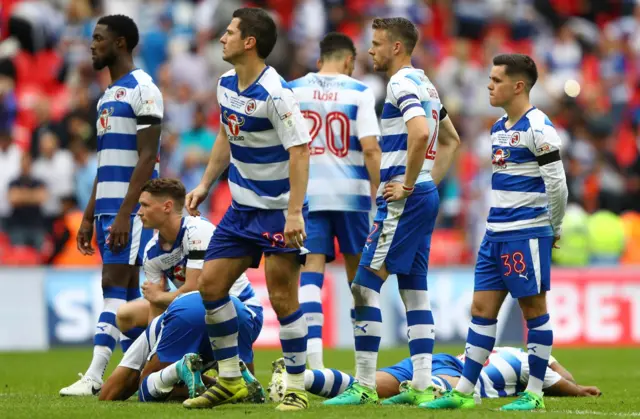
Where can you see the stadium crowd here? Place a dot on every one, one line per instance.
(49, 91)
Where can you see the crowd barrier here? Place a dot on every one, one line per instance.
(42, 308)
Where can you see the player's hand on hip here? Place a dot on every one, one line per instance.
(556, 239)
(195, 198)
(294, 233)
(394, 191)
(84, 238)
(119, 233)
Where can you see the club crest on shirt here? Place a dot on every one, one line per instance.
(515, 139)
(500, 157)
(120, 94)
(250, 107)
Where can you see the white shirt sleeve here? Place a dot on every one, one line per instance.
(152, 271)
(366, 119)
(284, 113)
(147, 104)
(197, 240)
(546, 147)
(405, 96)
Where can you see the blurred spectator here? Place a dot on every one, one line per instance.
(27, 195)
(200, 136)
(8, 101)
(86, 168)
(9, 170)
(42, 111)
(55, 168)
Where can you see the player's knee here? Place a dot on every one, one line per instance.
(124, 318)
(283, 302)
(484, 309)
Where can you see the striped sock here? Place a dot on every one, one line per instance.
(127, 338)
(480, 342)
(311, 306)
(107, 333)
(421, 331)
(157, 386)
(326, 382)
(222, 328)
(293, 337)
(539, 342)
(368, 326)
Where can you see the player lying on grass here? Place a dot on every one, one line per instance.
(175, 349)
(505, 374)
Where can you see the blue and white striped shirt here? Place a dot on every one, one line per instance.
(519, 202)
(340, 111)
(506, 373)
(409, 94)
(262, 122)
(188, 252)
(131, 103)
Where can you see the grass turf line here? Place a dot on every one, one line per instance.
(29, 385)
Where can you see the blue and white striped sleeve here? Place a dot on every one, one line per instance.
(405, 96)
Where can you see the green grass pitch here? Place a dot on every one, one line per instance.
(29, 384)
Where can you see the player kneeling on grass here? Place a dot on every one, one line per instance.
(506, 374)
(177, 252)
(175, 349)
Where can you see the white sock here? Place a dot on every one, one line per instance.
(99, 362)
(366, 363)
(421, 371)
(230, 367)
(165, 379)
(314, 354)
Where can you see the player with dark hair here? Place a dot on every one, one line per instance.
(344, 172)
(263, 141)
(129, 124)
(407, 200)
(176, 254)
(529, 191)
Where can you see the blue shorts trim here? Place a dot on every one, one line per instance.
(251, 233)
(184, 330)
(521, 267)
(132, 254)
(400, 237)
(349, 227)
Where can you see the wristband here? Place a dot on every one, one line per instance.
(408, 189)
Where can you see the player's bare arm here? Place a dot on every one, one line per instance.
(417, 142)
(448, 143)
(148, 140)
(372, 156)
(219, 160)
(565, 388)
(85, 232)
(294, 230)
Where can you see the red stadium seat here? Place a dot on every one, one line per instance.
(21, 256)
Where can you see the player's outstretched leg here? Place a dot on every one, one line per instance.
(421, 335)
(539, 342)
(480, 342)
(367, 332)
(222, 327)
